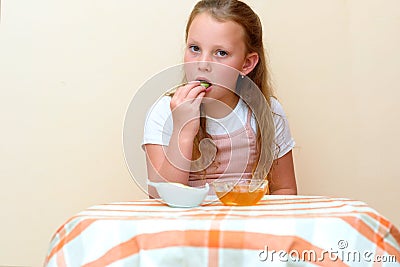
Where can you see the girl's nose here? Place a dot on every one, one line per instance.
(204, 66)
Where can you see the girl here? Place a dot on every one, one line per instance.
(212, 128)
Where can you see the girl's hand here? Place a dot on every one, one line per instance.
(185, 108)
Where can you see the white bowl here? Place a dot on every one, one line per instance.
(180, 195)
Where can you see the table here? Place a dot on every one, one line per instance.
(279, 231)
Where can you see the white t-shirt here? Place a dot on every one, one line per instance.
(158, 125)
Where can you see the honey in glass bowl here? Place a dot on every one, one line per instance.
(240, 192)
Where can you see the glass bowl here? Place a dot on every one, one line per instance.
(240, 191)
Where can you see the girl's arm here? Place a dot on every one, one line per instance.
(172, 163)
(283, 180)
(167, 164)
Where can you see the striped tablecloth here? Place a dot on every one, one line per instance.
(279, 231)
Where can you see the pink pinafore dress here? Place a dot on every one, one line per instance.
(235, 157)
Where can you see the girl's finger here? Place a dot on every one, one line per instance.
(194, 92)
(189, 93)
(183, 91)
(198, 99)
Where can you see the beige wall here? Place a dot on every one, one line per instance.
(68, 70)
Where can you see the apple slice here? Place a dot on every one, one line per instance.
(205, 84)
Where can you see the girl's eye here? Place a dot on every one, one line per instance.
(194, 48)
(222, 53)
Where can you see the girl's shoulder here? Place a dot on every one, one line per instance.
(161, 105)
(163, 100)
(159, 112)
(278, 114)
(276, 107)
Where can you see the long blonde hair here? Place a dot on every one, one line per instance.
(241, 13)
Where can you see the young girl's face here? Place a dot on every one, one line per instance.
(209, 44)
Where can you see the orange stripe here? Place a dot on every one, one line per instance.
(380, 219)
(207, 217)
(384, 222)
(378, 252)
(304, 200)
(213, 243)
(213, 257)
(214, 240)
(396, 234)
(79, 228)
(208, 239)
(224, 209)
(261, 205)
(136, 203)
(60, 259)
(231, 216)
(62, 233)
(65, 223)
(228, 208)
(254, 216)
(203, 216)
(374, 237)
(216, 202)
(269, 202)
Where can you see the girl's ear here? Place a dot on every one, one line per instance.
(250, 62)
